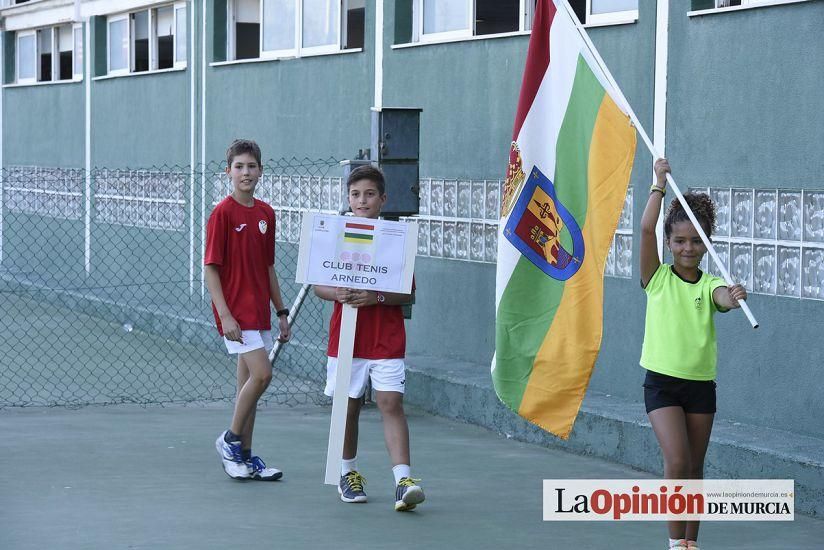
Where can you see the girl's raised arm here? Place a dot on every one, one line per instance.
(649, 243)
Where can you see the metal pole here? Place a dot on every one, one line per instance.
(293, 315)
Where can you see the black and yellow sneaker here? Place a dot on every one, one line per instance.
(407, 494)
(351, 487)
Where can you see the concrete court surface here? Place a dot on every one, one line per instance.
(149, 478)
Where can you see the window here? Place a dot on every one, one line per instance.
(288, 28)
(64, 68)
(147, 40)
(26, 57)
(279, 18)
(44, 55)
(118, 45)
(716, 4)
(354, 22)
(605, 12)
(244, 28)
(139, 33)
(78, 52)
(180, 33)
(437, 20)
(51, 54)
(321, 24)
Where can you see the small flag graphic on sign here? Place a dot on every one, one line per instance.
(358, 233)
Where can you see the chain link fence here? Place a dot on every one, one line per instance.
(102, 296)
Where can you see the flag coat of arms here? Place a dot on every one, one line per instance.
(569, 168)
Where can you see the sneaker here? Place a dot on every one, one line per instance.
(679, 545)
(231, 457)
(260, 472)
(351, 487)
(407, 494)
(692, 545)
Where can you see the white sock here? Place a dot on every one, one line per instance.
(400, 471)
(673, 542)
(348, 465)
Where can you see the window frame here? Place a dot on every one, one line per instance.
(526, 13)
(298, 50)
(56, 51)
(133, 37)
(54, 41)
(109, 21)
(52, 44)
(77, 28)
(19, 35)
(418, 21)
(178, 7)
(745, 5)
(323, 48)
(610, 18)
(297, 35)
(153, 39)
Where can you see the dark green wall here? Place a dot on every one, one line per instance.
(141, 121)
(745, 96)
(44, 125)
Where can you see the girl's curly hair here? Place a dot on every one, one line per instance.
(701, 205)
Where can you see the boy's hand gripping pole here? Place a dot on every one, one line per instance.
(340, 401)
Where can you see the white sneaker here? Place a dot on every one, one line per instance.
(230, 455)
(260, 472)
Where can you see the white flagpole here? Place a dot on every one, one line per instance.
(616, 90)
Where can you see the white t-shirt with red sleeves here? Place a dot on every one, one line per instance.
(240, 240)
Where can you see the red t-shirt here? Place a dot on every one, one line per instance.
(241, 241)
(379, 332)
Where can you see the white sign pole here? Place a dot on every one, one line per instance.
(340, 401)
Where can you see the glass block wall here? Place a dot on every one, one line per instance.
(290, 196)
(44, 191)
(772, 240)
(458, 220)
(154, 199)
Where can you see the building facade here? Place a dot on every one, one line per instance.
(729, 90)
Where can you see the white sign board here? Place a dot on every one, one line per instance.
(363, 253)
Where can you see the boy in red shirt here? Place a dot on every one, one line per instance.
(380, 346)
(240, 275)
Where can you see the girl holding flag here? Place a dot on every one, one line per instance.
(679, 350)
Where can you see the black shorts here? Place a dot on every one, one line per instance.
(694, 396)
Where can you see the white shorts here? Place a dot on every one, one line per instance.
(386, 374)
(252, 340)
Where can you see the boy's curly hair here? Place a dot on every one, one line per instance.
(701, 205)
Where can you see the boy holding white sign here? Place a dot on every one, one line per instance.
(379, 350)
